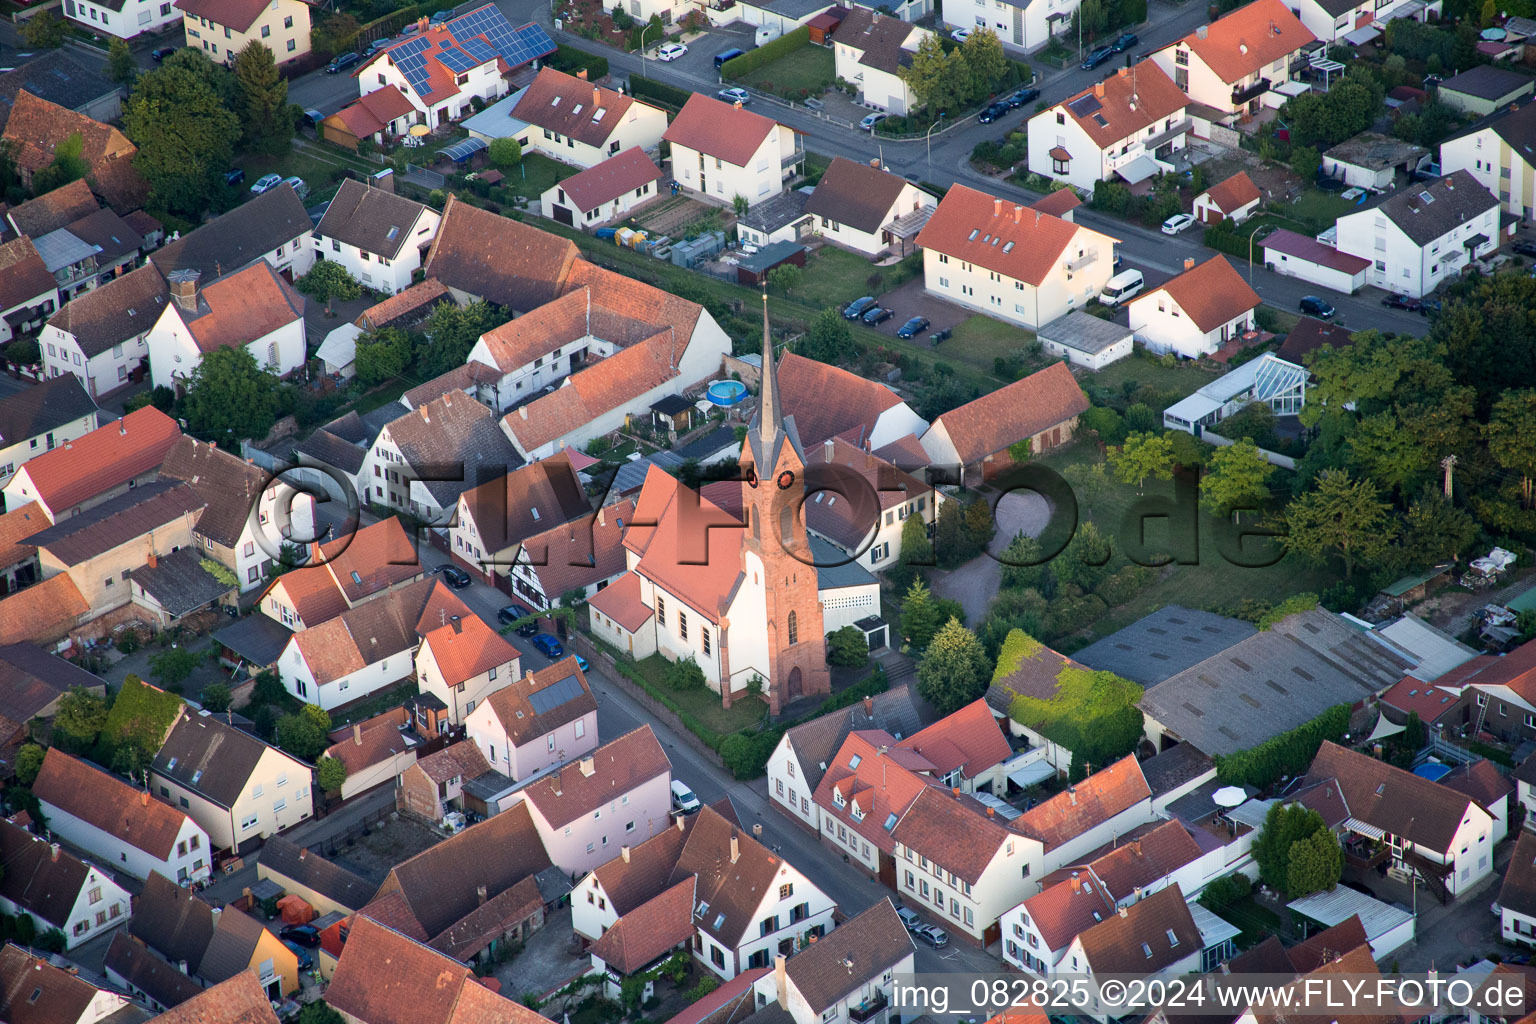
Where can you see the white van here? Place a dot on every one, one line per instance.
(683, 798)
(1123, 287)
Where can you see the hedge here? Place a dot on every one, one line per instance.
(571, 60)
(750, 61)
(1286, 754)
(661, 92)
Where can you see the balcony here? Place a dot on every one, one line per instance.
(869, 1010)
(1242, 94)
(1167, 135)
(1087, 258)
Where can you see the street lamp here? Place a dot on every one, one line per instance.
(1255, 231)
(929, 139)
(642, 49)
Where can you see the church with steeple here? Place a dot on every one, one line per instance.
(730, 579)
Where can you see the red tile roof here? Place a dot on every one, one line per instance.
(375, 745)
(968, 739)
(459, 760)
(1065, 910)
(105, 458)
(681, 553)
(869, 776)
(15, 527)
(238, 1000)
(375, 558)
(1416, 695)
(1143, 938)
(995, 234)
(1516, 670)
(648, 932)
(522, 504)
(411, 303)
(617, 176)
(1481, 781)
(469, 650)
(1058, 203)
(582, 552)
(1045, 399)
(43, 612)
(952, 830)
(828, 401)
(1210, 294)
(24, 277)
(1089, 803)
(1248, 40)
(620, 601)
(373, 111)
(719, 129)
(1234, 193)
(242, 307)
(599, 778)
(514, 707)
(573, 107)
(239, 15)
(1125, 104)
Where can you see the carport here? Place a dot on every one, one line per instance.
(459, 152)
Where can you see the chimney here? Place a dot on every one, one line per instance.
(735, 849)
(184, 289)
(827, 449)
(1098, 89)
(781, 981)
(144, 799)
(422, 23)
(624, 852)
(480, 895)
(424, 417)
(597, 99)
(991, 811)
(681, 823)
(874, 162)
(869, 707)
(1072, 795)
(53, 850)
(1136, 846)
(122, 428)
(588, 766)
(303, 852)
(1124, 72)
(357, 733)
(997, 207)
(736, 105)
(602, 517)
(152, 561)
(1018, 214)
(1189, 263)
(384, 180)
(1077, 886)
(528, 674)
(1124, 912)
(1202, 31)
(954, 791)
(581, 73)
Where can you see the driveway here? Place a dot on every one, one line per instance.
(976, 582)
(699, 62)
(910, 300)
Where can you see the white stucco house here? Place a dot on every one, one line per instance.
(1195, 313)
(1423, 235)
(28, 291)
(848, 975)
(867, 209)
(723, 151)
(379, 237)
(254, 309)
(1235, 64)
(58, 890)
(41, 418)
(869, 50)
(1125, 127)
(542, 719)
(605, 192)
(1019, 24)
(579, 122)
(124, 19)
(462, 662)
(1517, 899)
(101, 336)
(1496, 150)
(1333, 20)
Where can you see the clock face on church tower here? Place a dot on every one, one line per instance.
(786, 479)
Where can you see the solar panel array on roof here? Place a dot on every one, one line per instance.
(478, 48)
(1085, 105)
(552, 696)
(411, 60)
(456, 60)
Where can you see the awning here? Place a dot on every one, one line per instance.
(1140, 169)
(1361, 36)
(1369, 831)
(1060, 153)
(1476, 242)
(1385, 728)
(1031, 774)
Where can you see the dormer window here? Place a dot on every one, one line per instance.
(837, 798)
(890, 821)
(1173, 940)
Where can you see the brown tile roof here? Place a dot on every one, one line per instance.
(36, 128)
(404, 307)
(498, 259)
(514, 708)
(133, 961)
(855, 193)
(1355, 962)
(1119, 944)
(1248, 40)
(718, 129)
(15, 527)
(240, 1000)
(239, 15)
(375, 558)
(122, 308)
(454, 429)
(732, 1001)
(464, 377)
(621, 602)
(490, 921)
(36, 879)
(106, 457)
(630, 305)
(112, 233)
(236, 239)
(1303, 247)
(733, 890)
(540, 496)
(372, 219)
(815, 743)
(1326, 946)
(219, 756)
(582, 552)
(906, 453)
(34, 991)
(42, 613)
(1089, 803)
(226, 483)
(1125, 104)
(602, 386)
(1423, 812)
(24, 277)
(392, 911)
(1029, 243)
(878, 39)
(1516, 670)
(951, 830)
(457, 760)
(648, 932)
(35, 678)
(1137, 859)
(468, 648)
(609, 772)
(1044, 399)
(44, 406)
(617, 176)
(701, 566)
(1519, 891)
(828, 401)
(307, 868)
(1479, 780)
(241, 307)
(875, 941)
(647, 873)
(374, 630)
(53, 210)
(105, 801)
(573, 107)
(119, 520)
(370, 113)
(1234, 193)
(377, 744)
(236, 937)
(1309, 334)
(1058, 203)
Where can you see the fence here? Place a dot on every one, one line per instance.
(424, 177)
(1274, 458)
(22, 17)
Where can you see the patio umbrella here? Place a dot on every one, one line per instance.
(420, 129)
(1229, 796)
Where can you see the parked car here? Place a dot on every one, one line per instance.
(722, 59)
(377, 45)
(1523, 248)
(1177, 223)
(456, 578)
(1125, 42)
(1314, 305)
(877, 315)
(683, 798)
(548, 646)
(670, 51)
(303, 934)
(857, 307)
(932, 934)
(938, 336)
(912, 326)
(341, 62)
(1023, 96)
(305, 960)
(993, 112)
(1098, 57)
(159, 53)
(960, 35)
(1402, 302)
(297, 184)
(870, 120)
(582, 663)
(1428, 306)
(909, 918)
(313, 117)
(234, 176)
(735, 94)
(512, 612)
(441, 18)
(266, 182)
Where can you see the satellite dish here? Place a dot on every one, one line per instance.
(1230, 796)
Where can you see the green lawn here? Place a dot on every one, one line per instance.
(702, 705)
(981, 339)
(535, 174)
(808, 70)
(1181, 379)
(1257, 923)
(1319, 209)
(834, 276)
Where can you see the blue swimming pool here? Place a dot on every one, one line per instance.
(1432, 770)
(727, 392)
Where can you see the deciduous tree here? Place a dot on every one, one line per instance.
(1238, 478)
(328, 280)
(29, 761)
(1316, 863)
(44, 31)
(1143, 455)
(505, 154)
(986, 62)
(1085, 560)
(230, 399)
(331, 773)
(382, 355)
(954, 670)
(1341, 516)
(449, 333)
(80, 716)
(829, 339)
(67, 166)
(122, 68)
(186, 134)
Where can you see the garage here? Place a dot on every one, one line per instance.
(564, 215)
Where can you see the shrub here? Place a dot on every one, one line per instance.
(1226, 892)
(661, 92)
(746, 754)
(789, 42)
(215, 697)
(847, 647)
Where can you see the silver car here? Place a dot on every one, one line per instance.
(931, 934)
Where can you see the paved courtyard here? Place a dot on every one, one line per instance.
(976, 582)
(552, 958)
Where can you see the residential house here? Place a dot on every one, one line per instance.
(846, 976)
(1032, 672)
(236, 787)
(606, 191)
(379, 116)
(423, 461)
(249, 515)
(584, 555)
(1196, 312)
(28, 292)
(254, 309)
(579, 122)
(617, 795)
(1011, 262)
(57, 77)
(433, 786)
(1156, 936)
(498, 513)
(1484, 88)
(81, 242)
(41, 418)
(1481, 781)
(35, 680)
(1127, 126)
(1497, 151)
(45, 614)
(1234, 199)
(215, 945)
(120, 823)
(1424, 235)
(443, 68)
(147, 977)
(864, 503)
(57, 890)
(1020, 25)
(18, 559)
(1073, 823)
(374, 645)
(867, 209)
(869, 51)
(170, 588)
(1517, 897)
(750, 905)
(379, 237)
(1432, 831)
(977, 440)
(273, 226)
(323, 884)
(222, 30)
(35, 128)
(240, 1000)
(544, 719)
(472, 893)
(344, 573)
(462, 662)
(32, 988)
(101, 335)
(1240, 63)
(125, 20)
(374, 754)
(723, 151)
(828, 401)
(421, 986)
(1497, 692)
(1372, 161)
(1340, 21)
(646, 937)
(479, 255)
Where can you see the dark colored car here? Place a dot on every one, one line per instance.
(993, 112)
(1125, 42)
(1402, 302)
(305, 960)
(457, 578)
(512, 612)
(1314, 306)
(877, 315)
(441, 18)
(303, 934)
(1523, 248)
(1428, 306)
(1098, 57)
(938, 336)
(341, 62)
(548, 646)
(911, 327)
(1023, 96)
(858, 307)
(234, 176)
(159, 53)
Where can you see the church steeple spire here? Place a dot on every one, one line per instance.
(770, 417)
